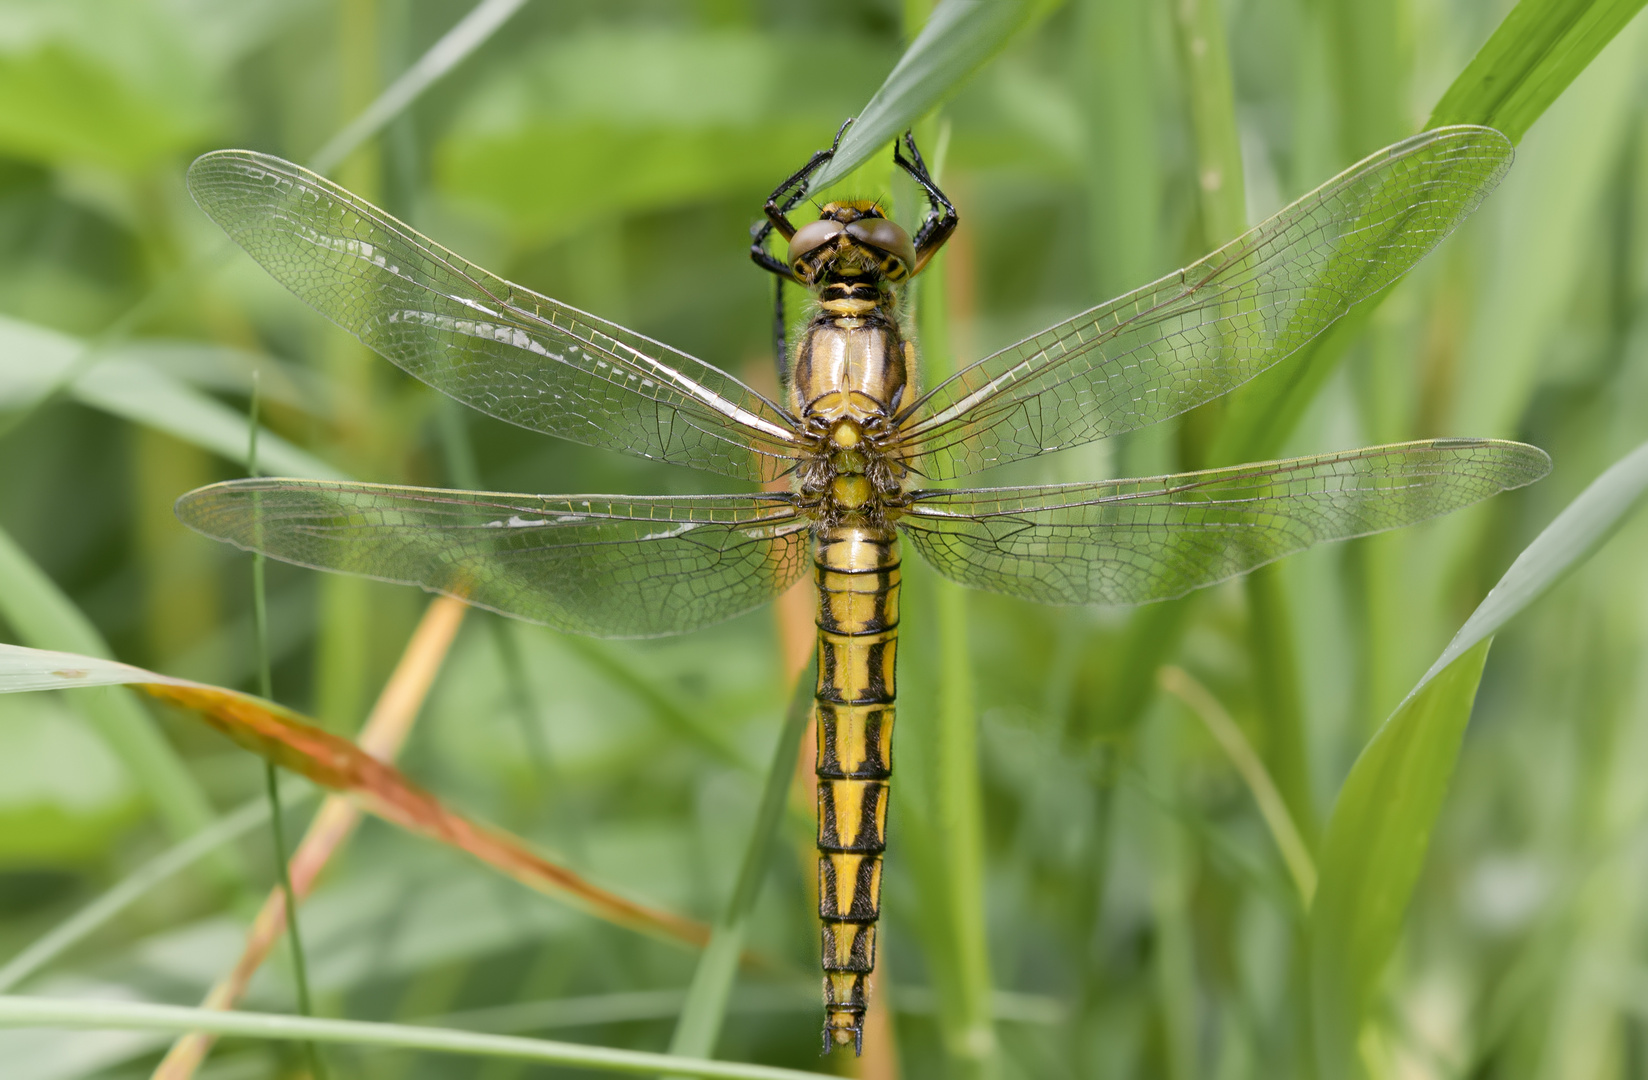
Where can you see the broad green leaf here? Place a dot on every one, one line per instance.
(1373, 851)
(957, 40)
(287, 739)
(34, 360)
(1529, 61)
(1381, 825)
(142, 1016)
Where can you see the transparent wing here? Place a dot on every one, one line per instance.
(1130, 541)
(1204, 330)
(495, 346)
(599, 565)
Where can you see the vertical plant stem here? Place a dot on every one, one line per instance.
(382, 736)
(271, 779)
(699, 1025)
(957, 807)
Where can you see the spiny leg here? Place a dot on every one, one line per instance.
(786, 197)
(941, 218)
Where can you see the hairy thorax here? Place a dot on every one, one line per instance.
(851, 373)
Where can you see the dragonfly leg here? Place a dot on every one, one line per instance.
(781, 345)
(941, 217)
(786, 197)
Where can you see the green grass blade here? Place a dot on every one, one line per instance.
(1200, 34)
(34, 359)
(959, 37)
(142, 1016)
(1380, 829)
(1582, 527)
(1373, 851)
(699, 1025)
(467, 34)
(93, 916)
(1529, 61)
(43, 617)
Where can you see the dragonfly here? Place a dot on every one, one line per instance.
(861, 443)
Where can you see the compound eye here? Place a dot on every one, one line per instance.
(888, 238)
(810, 237)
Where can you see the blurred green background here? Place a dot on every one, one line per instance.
(613, 154)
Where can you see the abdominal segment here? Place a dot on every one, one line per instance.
(857, 571)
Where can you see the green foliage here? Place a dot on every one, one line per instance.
(1077, 869)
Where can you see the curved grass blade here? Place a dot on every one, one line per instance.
(95, 915)
(959, 37)
(467, 34)
(143, 1016)
(120, 383)
(34, 607)
(290, 741)
(1533, 55)
(1377, 837)
(381, 736)
(699, 1025)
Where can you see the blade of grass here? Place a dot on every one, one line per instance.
(699, 1025)
(1380, 829)
(271, 779)
(274, 731)
(1536, 51)
(456, 45)
(382, 736)
(1182, 685)
(142, 1016)
(121, 385)
(956, 40)
(956, 813)
(89, 919)
(1529, 60)
(40, 614)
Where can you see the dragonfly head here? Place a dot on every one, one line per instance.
(851, 240)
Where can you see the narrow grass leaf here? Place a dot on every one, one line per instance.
(382, 736)
(1380, 829)
(142, 1016)
(699, 1024)
(957, 40)
(1373, 851)
(457, 44)
(1582, 527)
(278, 734)
(39, 613)
(89, 919)
(1540, 47)
(34, 360)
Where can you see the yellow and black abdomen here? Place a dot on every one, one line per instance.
(857, 570)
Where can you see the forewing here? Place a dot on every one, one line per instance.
(596, 564)
(1131, 541)
(495, 346)
(1204, 330)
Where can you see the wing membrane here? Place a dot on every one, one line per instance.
(493, 345)
(598, 564)
(1131, 541)
(1201, 332)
